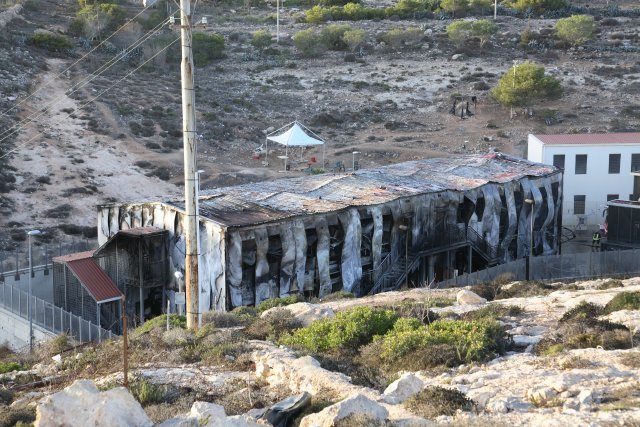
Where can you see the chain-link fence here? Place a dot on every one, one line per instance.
(17, 262)
(584, 265)
(50, 317)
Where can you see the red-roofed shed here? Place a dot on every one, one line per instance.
(85, 289)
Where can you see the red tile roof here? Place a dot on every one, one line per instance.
(590, 138)
(93, 278)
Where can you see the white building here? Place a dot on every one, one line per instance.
(597, 168)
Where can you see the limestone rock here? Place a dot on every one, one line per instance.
(467, 297)
(83, 401)
(205, 414)
(457, 57)
(304, 312)
(541, 395)
(403, 388)
(355, 405)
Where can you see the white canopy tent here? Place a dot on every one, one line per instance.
(295, 135)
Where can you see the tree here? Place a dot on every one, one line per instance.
(525, 83)
(576, 29)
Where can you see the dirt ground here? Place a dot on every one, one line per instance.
(387, 105)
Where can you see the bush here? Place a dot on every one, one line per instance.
(316, 15)
(146, 392)
(221, 319)
(332, 36)
(206, 48)
(279, 302)
(472, 340)
(51, 42)
(261, 39)
(538, 5)
(350, 328)
(160, 322)
(9, 367)
(525, 83)
(435, 401)
(354, 38)
(338, 296)
(308, 43)
(576, 29)
(398, 38)
(623, 301)
(272, 326)
(96, 19)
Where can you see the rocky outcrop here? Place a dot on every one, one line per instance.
(82, 401)
(355, 406)
(467, 297)
(205, 414)
(304, 312)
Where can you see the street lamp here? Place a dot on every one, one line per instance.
(353, 160)
(29, 234)
(532, 203)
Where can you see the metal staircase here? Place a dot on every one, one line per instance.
(392, 272)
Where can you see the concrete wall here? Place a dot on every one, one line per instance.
(596, 184)
(15, 331)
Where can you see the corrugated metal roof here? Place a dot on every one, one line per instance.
(141, 231)
(93, 278)
(252, 204)
(590, 138)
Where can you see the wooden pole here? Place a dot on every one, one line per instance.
(190, 179)
(125, 343)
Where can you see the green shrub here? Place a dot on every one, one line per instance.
(332, 36)
(146, 392)
(175, 321)
(585, 312)
(272, 326)
(18, 416)
(576, 29)
(435, 401)
(206, 48)
(350, 328)
(623, 301)
(537, 5)
(493, 312)
(473, 340)
(398, 38)
(245, 313)
(52, 42)
(9, 367)
(354, 38)
(316, 15)
(308, 42)
(459, 31)
(279, 302)
(99, 18)
(338, 296)
(261, 39)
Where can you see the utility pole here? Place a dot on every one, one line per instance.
(190, 178)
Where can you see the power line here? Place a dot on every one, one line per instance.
(15, 128)
(4, 113)
(97, 96)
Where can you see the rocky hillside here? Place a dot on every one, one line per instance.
(534, 354)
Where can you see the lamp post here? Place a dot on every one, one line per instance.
(180, 300)
(532, 203)
(353, 160)
(29, 313)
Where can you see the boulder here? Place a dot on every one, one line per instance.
(541, 395)
(357, 405)
(403, 388)
(304, 312)
(467, 297)
(83, 401)
(205, 414)
(457, 57)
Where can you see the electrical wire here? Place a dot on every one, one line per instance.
(106, 66)
(14, 149)
(4, 113)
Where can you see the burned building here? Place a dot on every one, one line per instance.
(364, 232)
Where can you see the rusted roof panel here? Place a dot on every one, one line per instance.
(141, 231)
(591, 138)
(252, 204)
(74, 257)
(93, 278)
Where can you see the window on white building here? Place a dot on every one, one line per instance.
(581, 164)
(579, 204)
(612, 197)
(635, 162)
(558, 161)
(614, 163)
